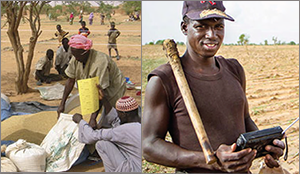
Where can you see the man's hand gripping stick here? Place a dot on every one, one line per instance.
(172, 54)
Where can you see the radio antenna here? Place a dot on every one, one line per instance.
(290, 125)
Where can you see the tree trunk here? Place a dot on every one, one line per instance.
(15, 11)
(14, 38)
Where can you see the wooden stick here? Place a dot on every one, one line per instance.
(172, 54)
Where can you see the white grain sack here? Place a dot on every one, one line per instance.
(28, 157)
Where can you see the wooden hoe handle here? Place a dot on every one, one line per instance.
(172, 54)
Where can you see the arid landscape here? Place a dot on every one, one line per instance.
(34, 127)
(272, 74)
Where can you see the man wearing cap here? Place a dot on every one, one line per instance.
(218, 88)
(119, 147)
(88, 63)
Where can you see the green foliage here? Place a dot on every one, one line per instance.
(85, 6)
(72, 7)
(243, 39)
(180, 43)
(159, 42)
(57, 8)
(105, 9)
(55, 12)
(266, 42)
(131, 6)
(3, 9)
(46, 9)
(292, 43)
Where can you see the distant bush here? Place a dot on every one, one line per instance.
(159, 42)
(180, 43)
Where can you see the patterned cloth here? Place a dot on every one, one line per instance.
(80, 42)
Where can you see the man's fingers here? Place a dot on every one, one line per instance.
(236, 155)
(233, 147)
(270, 161)
(100, 91)
(276, 151)
(279, 143)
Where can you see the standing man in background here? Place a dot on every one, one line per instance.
(84, 30)
(60, 34)
(113, 34)
(91, 17)
(71, 18)
(102, 16)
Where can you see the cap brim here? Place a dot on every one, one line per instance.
(199, 16)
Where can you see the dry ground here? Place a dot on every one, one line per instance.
(272, 74)
(130, 64)
(128, 46)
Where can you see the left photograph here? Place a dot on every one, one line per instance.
(71, 86)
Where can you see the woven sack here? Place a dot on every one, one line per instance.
(62, 145)
(28, 157)
(7, 165)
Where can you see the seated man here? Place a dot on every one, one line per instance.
(63, 56)
(43, 67)
(119, 147)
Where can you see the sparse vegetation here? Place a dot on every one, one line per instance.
(272, 74)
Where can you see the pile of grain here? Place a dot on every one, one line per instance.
(33, 128)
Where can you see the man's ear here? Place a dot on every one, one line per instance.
(184, 28)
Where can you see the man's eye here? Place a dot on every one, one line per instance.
(220, 27)
(200, 27)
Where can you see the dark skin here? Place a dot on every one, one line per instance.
(83, 24)
(58, 27)
(124, 117)
(204, 38)
(65, 44)
(112, 27)
(39, 74)
(81, 56)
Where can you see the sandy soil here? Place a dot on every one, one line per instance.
(272, 74)
(128, 46)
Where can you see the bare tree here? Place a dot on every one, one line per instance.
(14, 14)
(274, 40)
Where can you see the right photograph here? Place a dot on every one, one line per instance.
(220, 87)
